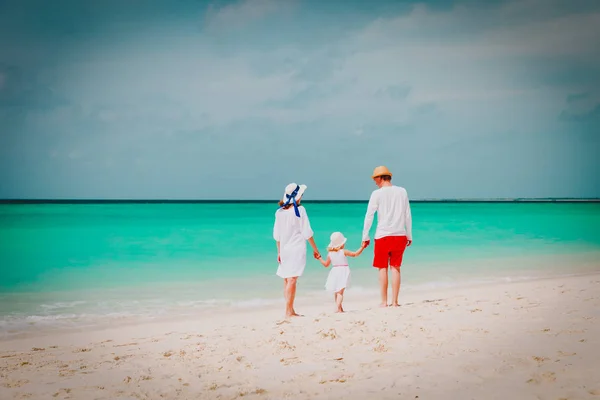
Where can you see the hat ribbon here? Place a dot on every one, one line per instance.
(292, 198)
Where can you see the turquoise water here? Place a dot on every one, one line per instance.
(67, 261)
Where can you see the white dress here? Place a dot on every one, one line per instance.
(339, 275)
(291, 232)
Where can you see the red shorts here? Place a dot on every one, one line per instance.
(389, 251)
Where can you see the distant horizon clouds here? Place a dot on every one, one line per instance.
(235, 99)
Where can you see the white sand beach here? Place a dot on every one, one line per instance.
(526, 340)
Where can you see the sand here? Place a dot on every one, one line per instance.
(527, 340)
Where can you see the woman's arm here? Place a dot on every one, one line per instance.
(278, 252)
(354, 253)
(316, 253)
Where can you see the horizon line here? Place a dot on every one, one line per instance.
(421, 200)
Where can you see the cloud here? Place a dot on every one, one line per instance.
(577, 97)
(244, 12)
(262, 73)
(592, 115)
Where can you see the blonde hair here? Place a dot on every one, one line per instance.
(334, 249)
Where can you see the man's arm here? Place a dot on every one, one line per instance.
(408, 219)
(371, 209)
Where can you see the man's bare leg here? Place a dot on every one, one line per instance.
(383, 285)
(395, 285)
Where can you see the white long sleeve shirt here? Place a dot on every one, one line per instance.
(393, 213)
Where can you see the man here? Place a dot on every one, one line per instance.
(394, 230)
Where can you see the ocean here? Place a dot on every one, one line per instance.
(71, 265)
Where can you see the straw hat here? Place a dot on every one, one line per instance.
(336, 240)
(289, 189)
(380, 171)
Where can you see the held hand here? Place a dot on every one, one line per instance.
(408, 243)
(316, 254)
(365, 244)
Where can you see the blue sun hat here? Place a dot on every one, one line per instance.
(292, 194)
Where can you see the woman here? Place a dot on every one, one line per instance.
(291, 231)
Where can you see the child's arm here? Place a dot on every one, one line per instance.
(325, 263)
(354, 253)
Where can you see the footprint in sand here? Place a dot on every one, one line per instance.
(82, 350)
(331, 334)
(563, 354)
(286, 346)
(540, 360)
(380, 348)
(245, 393)
(15, 384)
(290, 361)
(65, 391)
(546, 377)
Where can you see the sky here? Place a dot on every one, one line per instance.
(186, 99)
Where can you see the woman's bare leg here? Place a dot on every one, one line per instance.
(290, 295)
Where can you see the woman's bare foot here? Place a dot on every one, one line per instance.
(395, 305)
(295, 314)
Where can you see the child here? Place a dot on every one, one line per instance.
(339, 276)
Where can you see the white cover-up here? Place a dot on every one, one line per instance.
(339, 274)
(292, 232)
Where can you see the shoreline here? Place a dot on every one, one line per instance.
(83, 319)
(528, 339)
(315, 303)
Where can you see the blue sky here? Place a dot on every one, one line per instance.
(213, 100)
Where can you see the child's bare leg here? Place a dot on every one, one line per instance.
(339, 298)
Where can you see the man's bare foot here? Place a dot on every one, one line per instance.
(395, 305)
(382, 305)
(295, 314)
